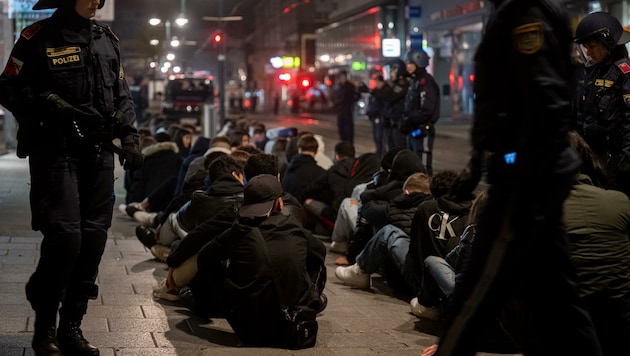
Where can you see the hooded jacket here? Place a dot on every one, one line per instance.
(301, 170)
(161, 163)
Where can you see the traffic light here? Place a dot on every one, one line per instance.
(284, 77)
(305, 81)
(217, 38)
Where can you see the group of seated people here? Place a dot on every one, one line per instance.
(238, 211)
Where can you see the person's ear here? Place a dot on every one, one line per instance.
(239, 177)
(279, 204)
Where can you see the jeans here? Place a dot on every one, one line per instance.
(423, 147)
(438, 281)
(346, 221)
(388, 242)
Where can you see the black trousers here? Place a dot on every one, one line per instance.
(72, 202)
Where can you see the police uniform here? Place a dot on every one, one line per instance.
(422, 110)
(77, 61)
(604, 115)
(521, 123)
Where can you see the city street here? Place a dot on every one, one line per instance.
(126, 320)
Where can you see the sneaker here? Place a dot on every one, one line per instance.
(353, 276)
(144, 218)
(339, 247)
(146, 236)
(419, 310)
(166, 293)
(160, 252)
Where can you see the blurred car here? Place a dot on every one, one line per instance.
(184, 98)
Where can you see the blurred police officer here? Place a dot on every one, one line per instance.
(520, 129)
(393, 96)
(422, 107)
(345, 96)
(65, 85)
(604, 98)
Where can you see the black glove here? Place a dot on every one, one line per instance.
(59, 103)
(133, 158)
(468, 179)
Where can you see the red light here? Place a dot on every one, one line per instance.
(306, 83)
(471, 77)
(217, 38)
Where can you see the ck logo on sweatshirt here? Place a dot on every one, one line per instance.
(64, 57)
(441, 224)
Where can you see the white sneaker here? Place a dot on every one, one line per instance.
(144, 218)
(160, 252)
(166, 293)
(353, 276)
(339, 247)
(419, 310)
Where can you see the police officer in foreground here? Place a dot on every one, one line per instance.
(66, 87)
(519, 267)
(422, 107)
(603, 104)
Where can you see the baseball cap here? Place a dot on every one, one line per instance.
(259, 196)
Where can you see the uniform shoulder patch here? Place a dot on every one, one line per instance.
(528, 38)
(624, 67)
(30, 31)
(13, 66)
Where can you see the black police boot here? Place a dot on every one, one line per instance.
(44, 343)
(72, 342)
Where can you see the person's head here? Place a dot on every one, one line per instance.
(307, 144)
(257, 131)
(342, 76)
(416, 59)
(252, 150)
(224, 165)
(239, 138)
(591, 164)
(397, 69)
(442, 182)
(344, 149)
(261, 196)
(162, 135)
(405, 164)
(208, 158)
(279, 146)
(600, 36)
(417, 183)
(220, 141)
(84, 8)
(182, 135)
(262, 163)
(240, 156)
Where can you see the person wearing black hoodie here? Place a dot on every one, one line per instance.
(302, 168)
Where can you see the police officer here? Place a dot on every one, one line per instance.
(66, 87)
(345, 96)
(519, 265)
(393, 95)
(422, 107)
(603, 104)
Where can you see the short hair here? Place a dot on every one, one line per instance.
(223, 165)
(211, 157)
(418, 183)
(236, 138)
(252, 150)
(442, 182)
(345, 149)
(262, 163)
(240, 156)
(307, 143)
(220, 141)
(279, 145)
(258, 127)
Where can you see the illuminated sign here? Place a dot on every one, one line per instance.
(290, 62)
(358, 66)
(391, 47)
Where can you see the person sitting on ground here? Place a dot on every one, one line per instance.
(258, 134)
(346, 221)
(267, 252)
(321, 193)
(239, 138)
(198, 169)
(436, 226)
(374, 202)
(302, 169)
(391, 242)
(226, 175)
(182, 259)
(598, 225)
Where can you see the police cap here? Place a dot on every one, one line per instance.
(53, 4)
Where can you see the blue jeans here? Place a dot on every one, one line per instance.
(388, 242)
(423, 147)
(438, 281)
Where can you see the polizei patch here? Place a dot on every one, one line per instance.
(528, 38)
(64, 57)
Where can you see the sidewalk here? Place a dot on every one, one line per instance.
(126, 320)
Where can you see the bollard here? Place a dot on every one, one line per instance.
(208, 124)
